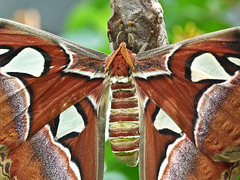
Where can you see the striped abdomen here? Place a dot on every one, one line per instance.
(124, 120)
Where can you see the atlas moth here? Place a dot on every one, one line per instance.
(54, 98)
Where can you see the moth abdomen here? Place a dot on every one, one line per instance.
(124, 122)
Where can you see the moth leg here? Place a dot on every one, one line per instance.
(144, 46)
(109, 35)
(110, 40)
(119, 38)
(130, 35)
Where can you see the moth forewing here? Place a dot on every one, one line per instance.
(177, 78)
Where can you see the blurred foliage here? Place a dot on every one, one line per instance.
(86, 24)
(207, 15)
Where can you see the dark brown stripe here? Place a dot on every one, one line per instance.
(121, 132)
(123, 94)
(124, 104)
(124, 117)
(122, 86)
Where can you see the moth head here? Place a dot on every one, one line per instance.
(120, 61)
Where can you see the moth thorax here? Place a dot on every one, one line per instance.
(124, 120)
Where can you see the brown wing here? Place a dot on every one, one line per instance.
(41, 75)
(197, 83)
(167, 153)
